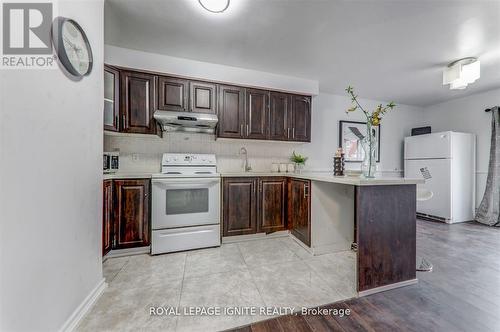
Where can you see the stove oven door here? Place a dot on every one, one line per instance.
(182, 202)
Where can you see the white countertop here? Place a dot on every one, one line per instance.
(313, 176)
(127, 175)
(328, 177)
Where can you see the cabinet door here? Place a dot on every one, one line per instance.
(107, 216)
(256, 113)
(137, 93)
(239, 206)
(301, 119)
(111, 99)
(299, 209)
(231, 111)
(173, 94)
(131, 213)
(202, 99)
(272, 204)
(279, 111)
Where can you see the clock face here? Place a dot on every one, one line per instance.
(76, 47)
(73, 47)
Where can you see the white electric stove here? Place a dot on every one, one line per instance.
(185, 203)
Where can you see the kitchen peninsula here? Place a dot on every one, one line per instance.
(329, 213)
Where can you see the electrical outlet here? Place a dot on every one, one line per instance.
(135, 157)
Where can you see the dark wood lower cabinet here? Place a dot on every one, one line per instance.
(107, 216)
(131, 213)
(239, 206)
(272, 204)
(299, 209)
(266, 204)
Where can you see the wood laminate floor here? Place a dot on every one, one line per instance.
(461, 294)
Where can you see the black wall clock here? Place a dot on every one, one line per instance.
(72, 46)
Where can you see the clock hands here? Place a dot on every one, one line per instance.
(73, 45)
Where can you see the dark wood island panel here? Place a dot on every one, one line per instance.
(386, 236)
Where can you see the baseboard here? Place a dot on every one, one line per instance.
(77, 315)
(332, 248)
(388, 287)
(302, 244)
(250, 237)
(127, 252)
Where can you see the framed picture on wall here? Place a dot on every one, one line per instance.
(350, 135)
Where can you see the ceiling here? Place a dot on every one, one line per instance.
(387, 50)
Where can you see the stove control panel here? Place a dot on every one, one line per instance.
(188, 159)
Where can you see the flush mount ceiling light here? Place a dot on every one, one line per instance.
(461, 73)
(215, 6)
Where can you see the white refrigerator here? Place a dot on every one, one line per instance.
(447, 162)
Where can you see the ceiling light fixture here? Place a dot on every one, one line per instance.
(214, 6)
(461, 73)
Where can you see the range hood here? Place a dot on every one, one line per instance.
(187, 121)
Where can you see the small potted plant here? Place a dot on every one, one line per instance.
(299, 161)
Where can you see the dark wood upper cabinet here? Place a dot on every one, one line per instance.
(132, 97)
(137, 102)
(280, 107)
(107, 216)
(256, 113)
(111, 99)
(131, 213)
(299, 214)
(231, 111)
(173, 94)
(239, 206)
(272, 204)
(203, 97)
(301, 119)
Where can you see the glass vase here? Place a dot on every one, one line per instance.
(369, 144)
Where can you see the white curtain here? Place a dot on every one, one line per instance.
(489, 210)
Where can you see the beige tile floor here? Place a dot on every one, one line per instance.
(256, 273)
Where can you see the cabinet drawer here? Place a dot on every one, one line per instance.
(178, 239)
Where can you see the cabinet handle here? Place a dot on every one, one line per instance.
(117, 120)
(306, 190)
(248, 131)
(124, 124)
(293, 132)
(241, 130)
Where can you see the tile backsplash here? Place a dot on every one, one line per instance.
(143, 154)
(140, 153)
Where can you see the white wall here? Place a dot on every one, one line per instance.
(50, 222)
(329, 109)
(467, 115)
(210, 71)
